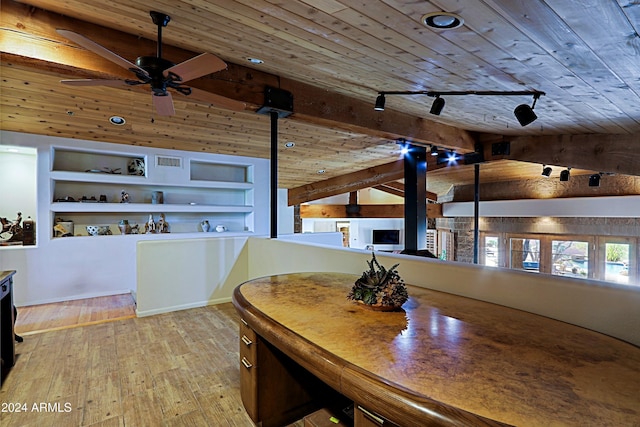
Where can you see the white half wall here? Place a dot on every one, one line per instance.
(180, 274)
(590, 207)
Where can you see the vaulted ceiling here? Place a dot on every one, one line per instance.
(334, 56)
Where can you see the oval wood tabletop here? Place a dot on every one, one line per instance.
(447, 355)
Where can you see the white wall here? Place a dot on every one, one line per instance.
(82, 267)
(18, 167)
(361, 230)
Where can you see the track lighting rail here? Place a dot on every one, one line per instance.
(523, 112)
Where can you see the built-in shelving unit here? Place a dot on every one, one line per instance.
(87, 188)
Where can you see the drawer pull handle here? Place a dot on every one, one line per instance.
(246, 363)
(370, 415)
(246, 340)
(244, 322)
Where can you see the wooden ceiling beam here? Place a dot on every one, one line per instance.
(434, 210)
(397, 189)
(360, 180)
(600, 153)
(29, 34)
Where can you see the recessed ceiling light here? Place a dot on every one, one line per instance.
(442, 20)
(321, 171)
(255, 60)
(117, 120)
(290, 144)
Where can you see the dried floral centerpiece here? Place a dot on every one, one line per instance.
(379, 288)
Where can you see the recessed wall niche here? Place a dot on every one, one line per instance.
(18, 182)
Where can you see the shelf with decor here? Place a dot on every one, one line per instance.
(97, 188)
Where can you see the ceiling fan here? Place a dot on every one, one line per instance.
(158, 72)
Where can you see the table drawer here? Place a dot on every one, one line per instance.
(248, 370)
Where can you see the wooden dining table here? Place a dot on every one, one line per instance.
(442, 359)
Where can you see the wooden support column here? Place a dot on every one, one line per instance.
(415, 198)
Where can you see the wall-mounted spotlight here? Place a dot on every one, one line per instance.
(565, 175)
(594, 180)
(524, 113)
(437, 106)
(546, 171)
(434, 150)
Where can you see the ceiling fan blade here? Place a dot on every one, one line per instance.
(216, 100)
(100, 50)
(197, 66)
(93, 82)
(164, 104)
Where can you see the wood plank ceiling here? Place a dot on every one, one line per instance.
(334, 56)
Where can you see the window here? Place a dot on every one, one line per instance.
(491, 251)
(525, 254)
(616, 265)
(570, 258)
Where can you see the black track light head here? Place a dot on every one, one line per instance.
(380, 100)
(434, 150)
(525, 114)
(546, 171)
(437, 106)
(565, 175)
(594, 180)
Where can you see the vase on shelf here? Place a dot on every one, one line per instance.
(124, 226)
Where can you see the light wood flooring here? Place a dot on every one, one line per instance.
(60, 315)
(173, 369)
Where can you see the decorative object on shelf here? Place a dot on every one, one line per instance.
(221, 228)
(63, 228)
(28, 232)
(66, 199)
(98, 230)
(115, 171)
(135, 229)
(103, 198)
(91, 199)
(11, 230)
(136, 167)
(124, 197)
(124, 226)
(163, 225)
(157, 197)
(205, 225)
(379, 289)
(150, 226)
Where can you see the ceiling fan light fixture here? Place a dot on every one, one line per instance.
(380, 100)
(442, 20)
(117, 120)
(437, 106)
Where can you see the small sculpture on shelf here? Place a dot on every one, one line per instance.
(163, 225)
(124, 197)
(205, 225)
(150, 226)
(135, 167)
(11, 230)
(135, 229)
